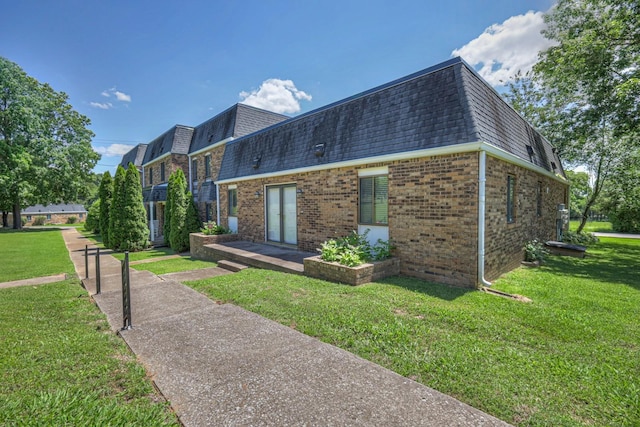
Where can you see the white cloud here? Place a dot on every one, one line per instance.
(122, 96)
(279, 96)
(101, 105)
(504, 49)
(105, 94)
(114, 150)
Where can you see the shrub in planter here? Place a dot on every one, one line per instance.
(354, 250)
(210, 228)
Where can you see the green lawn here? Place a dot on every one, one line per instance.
(133, 256)
(571, 357)
(173, 265)
(60, 364)
(592, 226)
(32, 253)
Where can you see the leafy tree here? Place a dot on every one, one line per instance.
(105, 194)
(580, 189)
(134, 221)
(622, 201)
(583, 93)
(116, 226)
(179, 236)
(45, 145)
(92, 222)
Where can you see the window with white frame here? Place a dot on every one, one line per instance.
(373, 207)
(233, 201)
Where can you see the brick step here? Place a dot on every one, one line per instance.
(231, 266)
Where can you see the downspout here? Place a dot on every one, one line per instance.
(151, 228)
(190, 172)
(218, 204)
(482, 178)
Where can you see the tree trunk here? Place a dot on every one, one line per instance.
(5, 219)
(17, 219)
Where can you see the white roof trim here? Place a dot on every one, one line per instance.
(157, 158)
(212, 146)
(429, 152)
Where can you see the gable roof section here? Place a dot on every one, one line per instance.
(176, 141)
(135, 156)
(236, 121)
(444, 105)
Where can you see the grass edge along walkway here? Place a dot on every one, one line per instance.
(568, 358)
(60, 364)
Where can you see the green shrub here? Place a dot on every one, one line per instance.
(354, 250)
(583, 239)
(534, 250)
(39, 220)
(92, 223)
(72, 220)
(210, 228)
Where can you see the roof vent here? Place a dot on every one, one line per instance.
(210, 137)
(554, 166)
(554, 150)
(256, 162)
(319, 149)
(530, 150)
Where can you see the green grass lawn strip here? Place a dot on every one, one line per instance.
(33, 253)
(568, 358)
(174, 265)
(60, 364)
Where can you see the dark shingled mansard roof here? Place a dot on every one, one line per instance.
(443, 105)
(135, 156)
(236, 121)
(176, 140)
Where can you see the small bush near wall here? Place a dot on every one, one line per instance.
(39, 220)
(72, 220)
(354, 250)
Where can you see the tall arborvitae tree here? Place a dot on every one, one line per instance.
(178, 241)
(166, 226)
(192, 222)
(134, 221)
(116, 231)
(105, 194)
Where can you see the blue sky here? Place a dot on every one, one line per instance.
(136, 68)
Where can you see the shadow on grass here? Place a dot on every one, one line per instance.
(27, 230)
(613, 262)
(436, 290)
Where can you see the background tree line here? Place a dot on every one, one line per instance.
(584, 96)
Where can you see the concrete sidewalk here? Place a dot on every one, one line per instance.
(222, 365)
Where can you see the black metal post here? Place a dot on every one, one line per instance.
(97, 270)
(126, 293)
(86, 261)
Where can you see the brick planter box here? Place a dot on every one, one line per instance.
(197, 241)
(365, 273)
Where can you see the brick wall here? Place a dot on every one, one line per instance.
(433, 217)
(504, 241)
(216, 154)
(171, 164)
(433, 211)
(55, 218)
